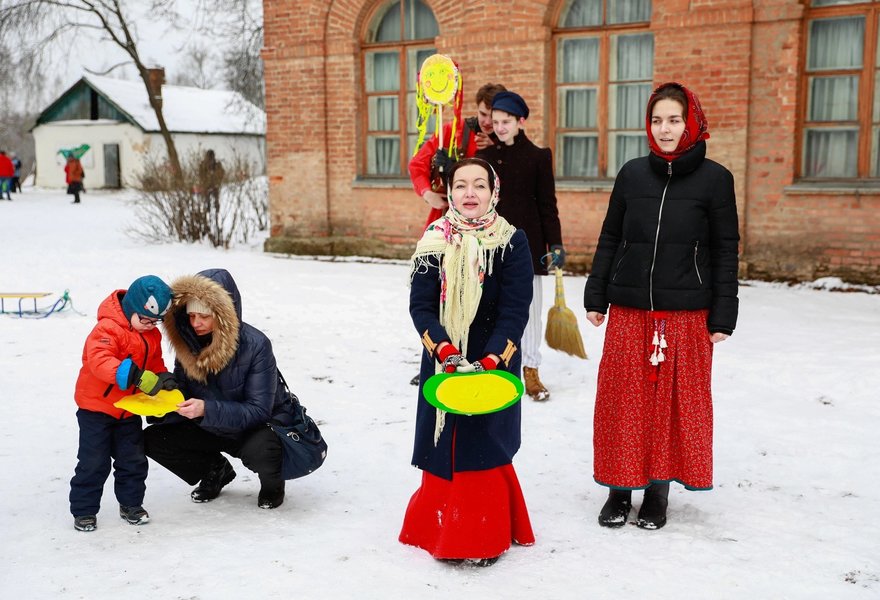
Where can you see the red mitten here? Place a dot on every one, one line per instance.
(449, 356)
(488, 363)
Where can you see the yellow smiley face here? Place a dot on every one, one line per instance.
(439, 79)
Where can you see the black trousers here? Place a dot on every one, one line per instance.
(106, 441)
(190, 452)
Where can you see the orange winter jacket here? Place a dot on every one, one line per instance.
(111, 341)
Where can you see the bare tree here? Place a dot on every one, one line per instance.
(197, 68)
(242, 66)
(38, 24)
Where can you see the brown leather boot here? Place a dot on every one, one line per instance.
(534, 387)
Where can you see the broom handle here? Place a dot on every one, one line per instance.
(560, 290)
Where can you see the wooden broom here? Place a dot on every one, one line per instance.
(562, 332)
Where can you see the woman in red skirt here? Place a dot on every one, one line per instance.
(666, 263)
(469, 301)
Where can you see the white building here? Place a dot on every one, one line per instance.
(114, 118)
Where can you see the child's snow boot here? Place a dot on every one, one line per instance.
(134, 515)
(85, 523)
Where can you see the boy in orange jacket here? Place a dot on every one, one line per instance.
(122, 356)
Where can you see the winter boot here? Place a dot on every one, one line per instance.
(481, 562)
(271, 494)
(616, 509)
(134, 515)
(209, 487)
(85, 523)
(652, 514)
(534, 387)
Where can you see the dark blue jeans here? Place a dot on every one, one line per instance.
(103, 438)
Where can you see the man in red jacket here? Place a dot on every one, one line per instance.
(474, 136)
(7, 172)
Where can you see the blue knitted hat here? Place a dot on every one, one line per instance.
(148, 296)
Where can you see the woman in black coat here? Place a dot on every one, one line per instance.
(469, 301)
(666, 262)
(227, 372)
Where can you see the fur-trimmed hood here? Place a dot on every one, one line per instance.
(216, 289)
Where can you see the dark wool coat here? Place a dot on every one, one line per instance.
(481, 441)
(669, 240)
(236, 373)
(528, 193)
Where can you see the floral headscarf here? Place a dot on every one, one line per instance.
(696, 126)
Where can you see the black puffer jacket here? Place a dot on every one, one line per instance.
(669, 240)
(235, 371)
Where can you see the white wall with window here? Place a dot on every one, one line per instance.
(604, 76)
(841, 117)
(399, 38)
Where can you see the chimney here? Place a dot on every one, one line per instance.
(156, 78)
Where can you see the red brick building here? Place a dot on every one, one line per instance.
(791, 89)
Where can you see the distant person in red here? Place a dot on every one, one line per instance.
(7, 172)
(474, 136)
(73, 172)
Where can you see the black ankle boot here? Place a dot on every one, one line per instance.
(271, 494)
(616, 508)
(211, 484)
(652, 514)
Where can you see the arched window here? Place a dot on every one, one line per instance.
(840, 133)
(604, 73)
(399, 38)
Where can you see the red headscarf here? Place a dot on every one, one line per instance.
(695, 130)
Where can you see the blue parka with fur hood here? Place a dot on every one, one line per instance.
(232, 369)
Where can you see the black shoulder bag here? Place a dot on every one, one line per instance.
(303, 446)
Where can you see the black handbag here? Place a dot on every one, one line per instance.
(302, 444)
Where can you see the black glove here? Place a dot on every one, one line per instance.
(442, 163)
(557, 256)
(167, 381)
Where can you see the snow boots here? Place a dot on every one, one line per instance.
(652, 514)
(85, 523)
(271, 494)
(534, 387)
(209, 487)
(616, 509)
(134, 515)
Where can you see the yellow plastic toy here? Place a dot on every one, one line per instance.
(162, 403)
(473, 393)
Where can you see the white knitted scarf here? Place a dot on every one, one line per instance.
(465, 251)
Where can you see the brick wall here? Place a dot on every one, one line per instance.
(741, 57)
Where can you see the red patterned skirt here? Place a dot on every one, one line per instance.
(476, 515)
(654, 423)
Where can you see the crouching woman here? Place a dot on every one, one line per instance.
(227, 372)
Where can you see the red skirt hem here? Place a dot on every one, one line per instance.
(476, 515)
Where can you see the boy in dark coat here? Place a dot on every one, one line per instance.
(529, 203)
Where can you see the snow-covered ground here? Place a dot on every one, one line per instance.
(794, 512)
